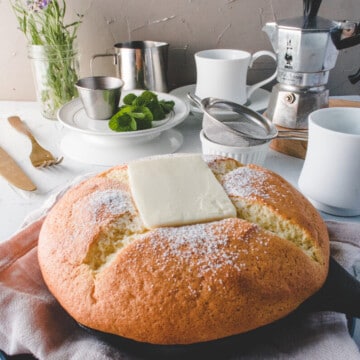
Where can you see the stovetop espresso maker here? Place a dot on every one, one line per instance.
(307, 48)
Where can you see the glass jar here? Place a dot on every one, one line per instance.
(55, 70)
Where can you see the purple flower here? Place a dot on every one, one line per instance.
(37, 5)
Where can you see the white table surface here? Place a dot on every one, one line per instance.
(16, 204)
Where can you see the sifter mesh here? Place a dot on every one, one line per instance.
(227, 127)
(232, 124)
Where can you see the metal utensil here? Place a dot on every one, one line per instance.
(100, 95)
(39, 156)
(11, 171)
(140, 64)
(307, 48)
(239, 124)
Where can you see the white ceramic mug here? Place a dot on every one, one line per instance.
(330, 177)
(222, 73)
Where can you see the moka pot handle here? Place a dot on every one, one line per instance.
(346, 34)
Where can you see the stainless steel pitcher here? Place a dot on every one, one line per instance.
(140, 64)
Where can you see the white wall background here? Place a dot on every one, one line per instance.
(187, 25)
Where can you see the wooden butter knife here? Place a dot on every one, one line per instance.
(11, 171)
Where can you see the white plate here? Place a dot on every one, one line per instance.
(258, 101)
(97, 151)
(72, 115)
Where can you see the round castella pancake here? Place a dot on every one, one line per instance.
(190, 283)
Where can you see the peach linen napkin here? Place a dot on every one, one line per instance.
(32, 322)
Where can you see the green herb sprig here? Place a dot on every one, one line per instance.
(43, 23)
(138, 112)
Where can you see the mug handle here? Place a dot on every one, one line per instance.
(254, 57)
(94, 57)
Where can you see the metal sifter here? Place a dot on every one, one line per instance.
(231, 124)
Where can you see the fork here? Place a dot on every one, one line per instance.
(39, 156)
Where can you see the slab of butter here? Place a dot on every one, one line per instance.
(177, 190)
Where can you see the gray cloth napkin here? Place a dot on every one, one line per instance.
(32, 322)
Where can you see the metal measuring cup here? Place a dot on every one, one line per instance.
(100, 95)
(140, 64)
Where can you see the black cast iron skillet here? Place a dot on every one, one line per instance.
(340, 293)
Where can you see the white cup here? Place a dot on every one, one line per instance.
(330, 177)
(222, 73)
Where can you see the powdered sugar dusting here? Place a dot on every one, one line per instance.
(113, 202)
(209, 253)
(246, 182)
(206, 247)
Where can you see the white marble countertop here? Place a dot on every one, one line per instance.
(16, 204)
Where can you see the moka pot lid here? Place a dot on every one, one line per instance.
(302, 23)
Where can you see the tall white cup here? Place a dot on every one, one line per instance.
(330, 177)
(222, 73)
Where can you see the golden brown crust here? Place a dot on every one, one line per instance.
(262, 187)
(187, 284)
